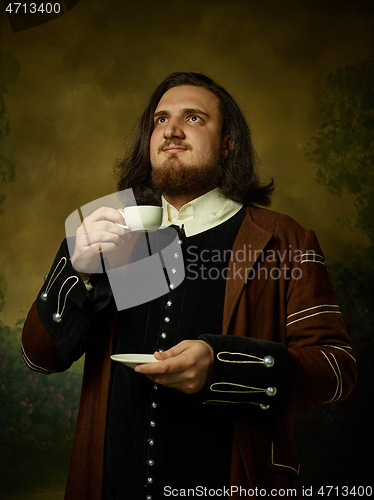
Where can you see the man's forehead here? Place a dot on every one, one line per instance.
(186, 97)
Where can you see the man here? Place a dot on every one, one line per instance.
(253, 330)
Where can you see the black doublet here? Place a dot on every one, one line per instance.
(158, 437)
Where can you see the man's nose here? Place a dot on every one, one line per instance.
(174, 129)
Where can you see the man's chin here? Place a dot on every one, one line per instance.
(170, 187)
(174, 178)
(172, 161)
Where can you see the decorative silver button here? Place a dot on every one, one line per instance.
(154, 404)
(176, 255)
(151, 442)
(150, 480)
(151, 462)
(167, 319)
(149, 497)
(163, 335)
(155, 386)
(180, 242)
(152, 423)
(268, 361)
(43, 296)
(168, 303)
(264, 407)
(57, 318)
(160, 350)
(271, 391)
(173, 271)
(171, 286)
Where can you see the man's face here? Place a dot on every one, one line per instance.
(186, 144)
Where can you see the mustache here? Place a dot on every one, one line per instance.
(175, 142)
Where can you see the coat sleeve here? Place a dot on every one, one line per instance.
(322, 354)
(313, 360)
(248, 372)
(53, 336)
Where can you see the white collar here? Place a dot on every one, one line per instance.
(202, 213)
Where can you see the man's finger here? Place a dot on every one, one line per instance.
(166, 366)
(173, 351)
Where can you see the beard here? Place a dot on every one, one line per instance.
(173, 178)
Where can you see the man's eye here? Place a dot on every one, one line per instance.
(195, 119)
(161, 119)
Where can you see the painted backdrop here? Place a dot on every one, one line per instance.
(71, 90)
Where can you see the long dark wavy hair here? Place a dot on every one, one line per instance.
(239, 179)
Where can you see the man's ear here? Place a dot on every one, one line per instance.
(226, 145)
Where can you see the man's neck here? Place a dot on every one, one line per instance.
(180, 200)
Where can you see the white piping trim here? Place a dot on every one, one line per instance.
(282, 465)
(340, 376)
(31, 365)
(334, 398)
(310, 315)
(313, 261)
(218, 401)
(310, 308)
(59, 293)
(338, 347)
(255, 389)
(342, 348)
(259, 360)
(313, 253)
(49, 285)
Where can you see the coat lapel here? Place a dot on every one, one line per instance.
(249, 243)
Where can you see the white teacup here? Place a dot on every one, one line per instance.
(143, 217)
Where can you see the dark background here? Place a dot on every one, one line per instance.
(72, 89)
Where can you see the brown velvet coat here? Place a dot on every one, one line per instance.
(278, 290)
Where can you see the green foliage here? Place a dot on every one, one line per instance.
(344, 146)
(353, 279)
(37, 417)
(344, 152)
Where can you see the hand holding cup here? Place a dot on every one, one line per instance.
(100, 234)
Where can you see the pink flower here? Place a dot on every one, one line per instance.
(51, 388)
(60, 397)
(23, 403)
(29, 377)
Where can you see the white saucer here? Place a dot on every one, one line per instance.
(132, 360)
